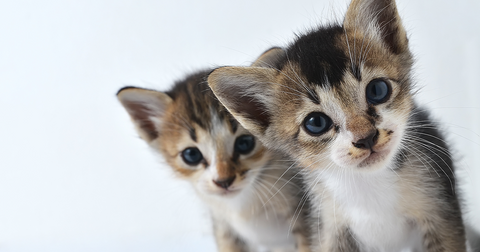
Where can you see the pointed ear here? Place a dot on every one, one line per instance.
(247, 93)
(380, 17)
(269, 58)
(146, 108)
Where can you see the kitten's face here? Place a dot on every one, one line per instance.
(356, 124)
(197, 137)
(221, 160)
(340, 95)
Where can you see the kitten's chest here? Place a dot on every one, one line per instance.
(265, 229)
(371, 208)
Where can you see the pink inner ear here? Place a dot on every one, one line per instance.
(247, 105)
(141, 115)
(244, 91)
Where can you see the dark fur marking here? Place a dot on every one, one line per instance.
(371, 120)
(356, 72)
(336, 128)
(325, 141)
(233, 125)
(235, 157)
(321, 60)
(372, 112)
(346, 241)
(205, 163)
(296, 134)
(193, 135)
(313, 97)
(242, 173)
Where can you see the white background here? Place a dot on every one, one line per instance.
(73, 174)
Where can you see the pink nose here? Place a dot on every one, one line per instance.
(224, 183)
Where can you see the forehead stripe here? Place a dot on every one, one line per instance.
(233, 126)
(193, 134)
(313, 97)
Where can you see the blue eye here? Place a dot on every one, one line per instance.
(244, 144)
(317, 123)
(192, 156)
(378, 91)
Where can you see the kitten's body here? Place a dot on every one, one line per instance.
(339, 100)
(391, 210)
(252, 196)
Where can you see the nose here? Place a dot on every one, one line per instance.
(367, 142)
(224, 183)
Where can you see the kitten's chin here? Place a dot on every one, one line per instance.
(227, 193)
(367, 160)
(380, 156)
(375, 160)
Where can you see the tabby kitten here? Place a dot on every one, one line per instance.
(252, 192)
(339, 100)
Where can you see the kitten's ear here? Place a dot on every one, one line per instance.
(146, 108)
(247, 93)
(269, 58)
(380, 17)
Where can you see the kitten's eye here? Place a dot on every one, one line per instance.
(378, 91)
(244, 144)
(317, 123)
(192, 156)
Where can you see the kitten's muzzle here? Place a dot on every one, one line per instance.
(224, 183)
(368, 142)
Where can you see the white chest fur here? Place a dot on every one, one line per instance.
(266, 229)
(369, 203)
(259, 225)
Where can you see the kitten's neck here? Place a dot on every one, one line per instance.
(352, 187)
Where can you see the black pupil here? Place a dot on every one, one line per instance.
(192, 156)
(377, 91)
(317, 123)
(244, 144)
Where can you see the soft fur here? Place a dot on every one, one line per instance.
(399, 193)
(259, 208)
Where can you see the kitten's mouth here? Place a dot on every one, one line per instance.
(374, 157)
(379, 153)
(228, 192)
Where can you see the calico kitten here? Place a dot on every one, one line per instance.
(252, 192)
(339, 100)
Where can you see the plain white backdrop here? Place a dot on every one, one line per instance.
(74, 176)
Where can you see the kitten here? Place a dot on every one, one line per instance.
(340, 101)
(251, 192)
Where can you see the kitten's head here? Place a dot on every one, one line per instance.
(197, 136)
(339, 94)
